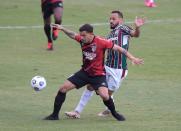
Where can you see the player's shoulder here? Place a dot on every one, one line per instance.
(101, 39)
(103, 43)
(124, 27)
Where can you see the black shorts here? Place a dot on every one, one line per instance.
(47, 8)
(81, 78)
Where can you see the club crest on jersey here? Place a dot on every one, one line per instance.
(117, 31)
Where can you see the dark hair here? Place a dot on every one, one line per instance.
(120, 14)
(86, 27)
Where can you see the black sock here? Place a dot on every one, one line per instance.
(110, 104)
(47, 30)
(57, 22)
(59, 99)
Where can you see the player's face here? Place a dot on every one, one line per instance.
(87, 37)
(115, 20)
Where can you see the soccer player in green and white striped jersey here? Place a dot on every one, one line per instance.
(116, 64)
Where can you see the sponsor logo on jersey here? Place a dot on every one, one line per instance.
(89, 55)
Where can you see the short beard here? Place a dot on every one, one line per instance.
(114, 26)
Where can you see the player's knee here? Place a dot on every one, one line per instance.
(58, 21)
(105, 97)
(63, 89)
(67, 86)
(110, 92)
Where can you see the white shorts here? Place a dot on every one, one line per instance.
(115, 77)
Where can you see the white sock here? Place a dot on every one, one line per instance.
(84, 100)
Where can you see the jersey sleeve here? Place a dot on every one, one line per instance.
(78, 38)
(126, 29)
(107, 44)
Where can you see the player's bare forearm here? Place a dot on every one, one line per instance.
(136, 32)
(68, 32)
(133, 59)
(123, 51)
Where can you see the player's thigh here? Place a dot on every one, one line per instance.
(79, 79)
(67, 86)
(124, 73)
(98, 81)
(99, 84)
(58, 13)
(58, 10)
(103, 92)
(47, 12)
(114, 78)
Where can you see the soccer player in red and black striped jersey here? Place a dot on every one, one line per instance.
(92, 71)
(51, 7)
(116, 63)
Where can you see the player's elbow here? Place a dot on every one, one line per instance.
(136, 35)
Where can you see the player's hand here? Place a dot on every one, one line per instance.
(139, 21)
(137, 61)
(57, 26)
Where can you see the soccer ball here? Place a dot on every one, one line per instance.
(38, 83)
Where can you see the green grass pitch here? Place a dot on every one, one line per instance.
(150, 97)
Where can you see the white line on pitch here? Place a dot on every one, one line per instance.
(94, 24)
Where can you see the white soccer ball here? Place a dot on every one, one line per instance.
(38, 83)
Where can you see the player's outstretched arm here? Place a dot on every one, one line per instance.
(137, 23)
(68, 32)
(133, 59)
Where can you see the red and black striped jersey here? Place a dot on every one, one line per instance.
(93, 55)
